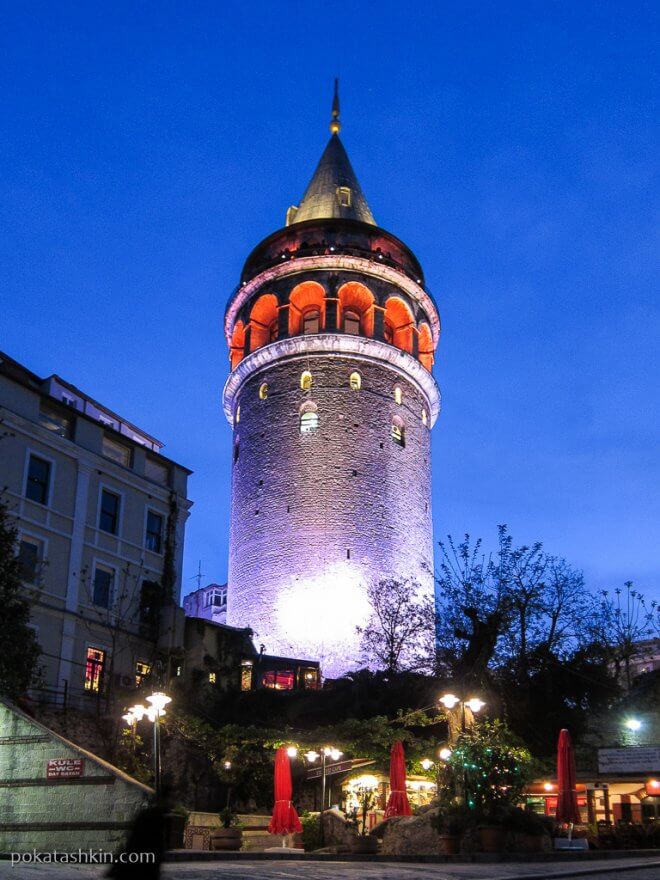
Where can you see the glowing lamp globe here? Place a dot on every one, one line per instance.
(475, 704)
(449, 700)
(633, 724)
(138, 711)
(159, 701)
(426, 763)
(335, 754)
(292, 751)
(312, 756)
(444, 754)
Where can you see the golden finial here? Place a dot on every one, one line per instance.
(335, 124)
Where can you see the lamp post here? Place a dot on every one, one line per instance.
(473, 704)
(312, 756)
(154, 712)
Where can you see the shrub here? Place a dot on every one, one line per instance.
(311, 831)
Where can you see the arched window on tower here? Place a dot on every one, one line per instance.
(309, 418)
(263, 391)
(306, 380)
(398, 431)
(425, 418)
(398, 396)
(351, 323)
(311, 322)
(355, 381)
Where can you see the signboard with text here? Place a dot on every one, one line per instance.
(340, 767)
(636, 759)
(64, 768)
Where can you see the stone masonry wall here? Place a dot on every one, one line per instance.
(92, 811)
(315, 517)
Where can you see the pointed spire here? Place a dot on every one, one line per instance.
(334, 190)
(335, 124)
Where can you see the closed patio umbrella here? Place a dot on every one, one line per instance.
(285, 818)
(397, 803)
(567, 805)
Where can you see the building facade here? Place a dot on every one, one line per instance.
(332, 334)
(100, 514)
(209, 603)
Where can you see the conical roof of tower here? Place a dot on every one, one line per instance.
(334, 191)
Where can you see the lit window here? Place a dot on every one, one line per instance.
(306, 381)
(246, 675)
(116, 451)
(344, 196)
(355, 381)
(281, 680)
(212, 678)
(102, 587)
(309, 422)
(38, 480)
(398, 432)
(263, 391)
(109, 513)
(142, 671)
(425, 418)
(352, 323)
(94, 669)
(312, 322)
(398, 396)
(237, 416)
(179, 671)
(30, 557)
(154, 535)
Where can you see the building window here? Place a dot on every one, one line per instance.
(312, 322)
(309, 678)
(398, 432)
(151, 599)
(30, 557)
(306, 381)
(109, 514)
(38, 480)
(246, 675)
(237, 414)
(352, 323)
(398, 396)
(94, 669)
(309, 422)
(154, 537)
(142, 671)
(355, 381)
(53, 420)
(425, 418)
(102, 588)
(116, 451)
(215, 598)
(212, 678)
(156, 471)
(263, 391)
(344, 196)
(280, 680)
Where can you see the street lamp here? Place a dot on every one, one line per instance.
(312, 756)
(444, 754)
(633, 724)
(451, 701)
(426, 763)
(154, 712)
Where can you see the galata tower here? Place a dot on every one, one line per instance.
(331, 333)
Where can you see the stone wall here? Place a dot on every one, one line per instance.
(93, 810)
(316, 517)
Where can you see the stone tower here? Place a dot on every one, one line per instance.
(331, 334)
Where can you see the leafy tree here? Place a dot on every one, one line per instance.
(400, 634)
(19, 650)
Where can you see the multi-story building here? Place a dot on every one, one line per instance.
(209, 603)
(100, 514)
(332, 333)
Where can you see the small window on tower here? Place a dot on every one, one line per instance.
(398, 396)
(311, 322)
(398, 432)
(425, 418)
(263, 391)
(306, 380)
(355, 381)
(309, 418)
(237, 414)
(344, 196)
(352, 323)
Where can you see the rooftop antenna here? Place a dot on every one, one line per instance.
(198, 577)
(335, 124)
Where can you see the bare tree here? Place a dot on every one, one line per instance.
(624, 619)
(400, 634)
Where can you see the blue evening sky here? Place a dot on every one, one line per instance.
(147, 147)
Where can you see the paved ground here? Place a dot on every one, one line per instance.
(635, 869)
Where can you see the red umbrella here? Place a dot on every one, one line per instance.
(284, 819)
(567, 805)
(397, 804)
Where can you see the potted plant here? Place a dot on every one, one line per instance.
(364, 843)
(229, 836)
(451, 824)
(175, 826)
